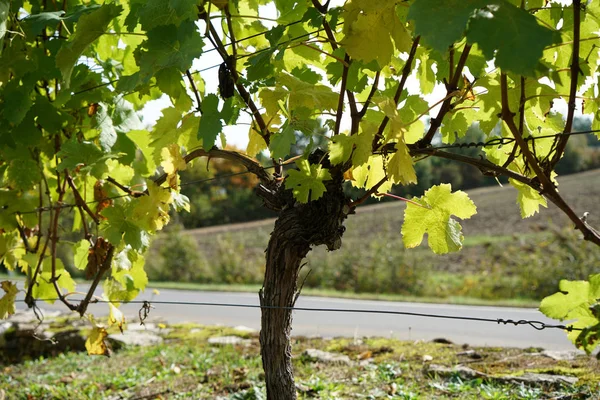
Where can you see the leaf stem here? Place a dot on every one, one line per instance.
(403, 199)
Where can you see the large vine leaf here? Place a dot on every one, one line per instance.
(577, 301)
(510, 34)
(432, 213)
(89, 28)
(528, 199)
(442, 22)
(307, 181)
(368, 22)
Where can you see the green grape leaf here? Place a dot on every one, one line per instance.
(433, 214)
(7, 301)
(576, 301)
(160, 12)
(528, 199)
(84, 157)
(121, 225)
(81, 251)
(442, 22)
(306, 95)
(512, 34)
(11, 249)
(89, 28)
(13, 201)
(23, 173)
(35, 23)
(151, 212)
(44, 289)
(371, 29)
(425, 72)
(210, 122)
(256, 143)
(370, 173)
(169, 46)
(128, 277)
(340, 148)
(456, 124)
(281, 142)
(307, 182)
(15, 109)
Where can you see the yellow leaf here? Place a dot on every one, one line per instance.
(371, 173)
(7, 302)
(172, 162)
(116, 317)
(400, 167)
(155, 292)
(529, 199)
(95, 344)
(151, 212)
(256, 143)
(369, 28)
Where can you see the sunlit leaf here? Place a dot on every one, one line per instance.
(433, 214)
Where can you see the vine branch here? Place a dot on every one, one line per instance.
(405, 73)
(447, 104)
(547, 187)
(561, 144)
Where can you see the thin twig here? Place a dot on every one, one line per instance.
(82, 307)
(363, 111)
(405, 73)
(195, 90)
(370, 192)
(264, 131)
(561, 144)
(446, 105)
(547, 187)
(79, 200)
(340, 107)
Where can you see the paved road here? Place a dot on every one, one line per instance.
(330, 324)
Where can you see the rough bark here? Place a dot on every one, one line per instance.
(298, 228)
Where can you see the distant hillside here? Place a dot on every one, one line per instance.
(498, 213)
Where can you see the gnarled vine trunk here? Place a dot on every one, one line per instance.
(298, 228)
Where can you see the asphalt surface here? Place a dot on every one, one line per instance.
(353, 324)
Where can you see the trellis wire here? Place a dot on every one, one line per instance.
(538, 325)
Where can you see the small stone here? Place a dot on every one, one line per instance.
(460, 370)
(136, 338)
(245, 329)
(545, 379)
(427, 358)
(326, 357)
(562, 355)
(228, 340)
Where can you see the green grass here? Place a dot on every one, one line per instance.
(187, 366)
